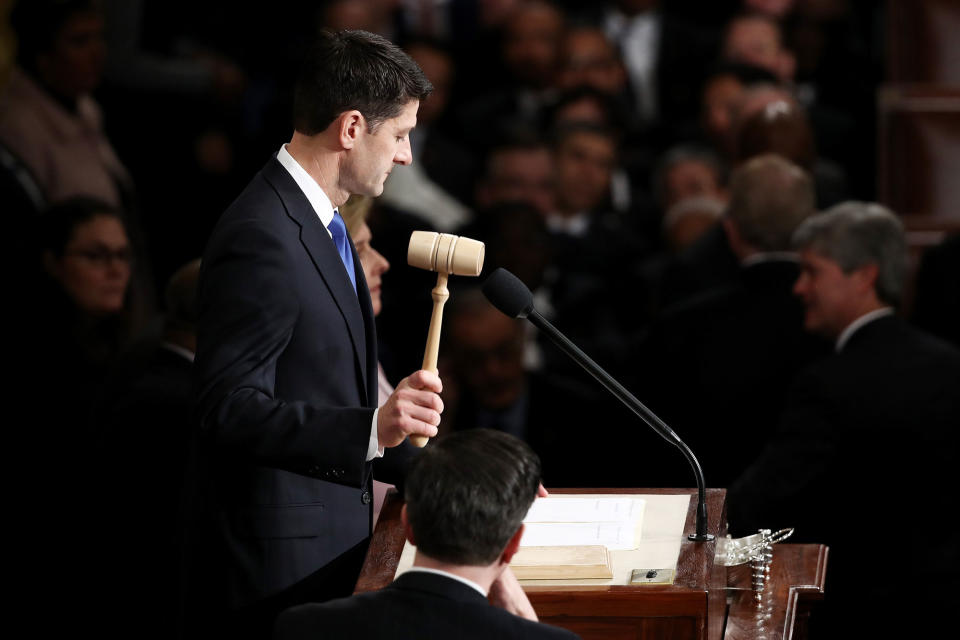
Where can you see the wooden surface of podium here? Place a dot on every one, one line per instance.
(705, 601)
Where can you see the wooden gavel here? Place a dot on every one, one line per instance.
(445, 254)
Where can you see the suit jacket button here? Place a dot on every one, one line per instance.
(365, 497)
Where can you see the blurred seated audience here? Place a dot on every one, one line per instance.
(515, 238)
(530, 50)
(689, 194)
(756, 39)
(519, 168)
(484, 365)
(48, 117)
(591, 245)
(665, 56)
(585, 105)
(187, 67)
(437, 186)
(590, 59)
(720, 96)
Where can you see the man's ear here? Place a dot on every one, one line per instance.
(350, 126)
(867, 276)
(512, 547)
(407, 529)
(733, 236)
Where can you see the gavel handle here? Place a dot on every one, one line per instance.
(440, 294)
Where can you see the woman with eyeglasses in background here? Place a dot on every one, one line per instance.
(89, 313)
(84, 314)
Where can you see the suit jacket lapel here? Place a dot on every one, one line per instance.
(323, 252)
(371, 375)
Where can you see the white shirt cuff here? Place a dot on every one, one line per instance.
(374, 450)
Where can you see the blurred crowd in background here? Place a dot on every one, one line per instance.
(599, 149)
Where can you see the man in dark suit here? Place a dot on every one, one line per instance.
(287, 358)
(718, 364)
(866, 450)
(466, 497)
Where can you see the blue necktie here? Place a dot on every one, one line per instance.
(339, 232)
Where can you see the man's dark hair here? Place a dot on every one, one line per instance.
(467, 494)
(354, 70)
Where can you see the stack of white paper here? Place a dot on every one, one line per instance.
(567, 521)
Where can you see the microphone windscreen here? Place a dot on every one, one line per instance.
(507, 293)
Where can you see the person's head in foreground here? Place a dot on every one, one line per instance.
(466, 497)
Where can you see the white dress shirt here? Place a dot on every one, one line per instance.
(639, 40)
(469, 583)
(860, 322)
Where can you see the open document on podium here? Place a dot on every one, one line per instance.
(613, 522)
(656, 526)
(571, 537)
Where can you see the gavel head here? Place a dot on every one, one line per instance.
(445, 253)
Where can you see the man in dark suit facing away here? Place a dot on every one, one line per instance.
(290, 433)
(466, 497)
(864, 456)
(718, 364)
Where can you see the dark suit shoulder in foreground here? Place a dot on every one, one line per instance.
(417, 605)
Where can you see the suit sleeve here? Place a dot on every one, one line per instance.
(249, 311)
(792, 464)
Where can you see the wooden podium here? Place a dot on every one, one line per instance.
(705, 601)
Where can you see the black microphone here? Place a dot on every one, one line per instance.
(508, 294)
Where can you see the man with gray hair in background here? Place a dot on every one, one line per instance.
(863, 455)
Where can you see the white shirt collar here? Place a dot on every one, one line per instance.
(177, 349)
(318, 199)
(575, 225)
(859, 322)
(469, 583)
